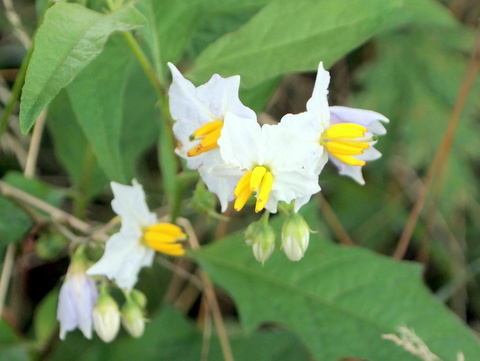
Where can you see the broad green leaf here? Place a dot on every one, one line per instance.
(339, 301)
(10, 347)
(96, 96)
(35, 188)
(219, 18)
(287, 36)
(171, 26)
(14, 221)
(70, 37)
(45, 320)
(170, 336)
(139, 107)
(72, 148)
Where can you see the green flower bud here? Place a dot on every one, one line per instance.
(106, 317)
(139, 298)
(132, 319)
(295, 237)
(261, 236)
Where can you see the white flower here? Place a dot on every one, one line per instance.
(76, 300)
(199, 113)
(295, 237)
(268, 163)
(344, 135)
(127, 251)
(106, 318)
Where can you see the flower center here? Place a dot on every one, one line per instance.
(258, 181)
(345, 140)
(208, 135)
(163, 237)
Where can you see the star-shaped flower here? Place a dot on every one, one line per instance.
(199, 114)
(344, 135)
(140, 235)
(266, 162)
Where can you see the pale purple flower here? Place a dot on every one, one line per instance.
(78, 295)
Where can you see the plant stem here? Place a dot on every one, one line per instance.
(210, 296)
(81, 200)
(168, 163)
(59, 215)
(333, 221)
(144, 63)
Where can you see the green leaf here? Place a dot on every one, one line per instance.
(139, 107)
(170, 336)
(72, 148)
(14, 221)
(287, 36)
(96, 96)
(171, 26)
(422, 100)
(219, 18)
(45, 320)
(10, 347)
(70, 37)
(339, 301)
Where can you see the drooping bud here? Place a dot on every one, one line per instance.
(261, 236)
(106, 317)
(132, 318)
(295, 237)
(77, 298)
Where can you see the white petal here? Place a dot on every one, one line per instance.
(352, 171)
(222, 186)
(318, 103)
(221, 96)
(367, 118)
(309, 130)
(66, 311)
(292, 185)
(239, 141)
(122, 260)
(129, 203)
(193, 107)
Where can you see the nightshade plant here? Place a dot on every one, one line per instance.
(171, 180)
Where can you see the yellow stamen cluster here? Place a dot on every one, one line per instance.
(258, 180)
(345, 140)
(208, 134)
(163, 237)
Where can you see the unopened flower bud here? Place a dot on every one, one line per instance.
(295, 237)
(106, 317)
(139, 298)
(132, 319)
(261, 236)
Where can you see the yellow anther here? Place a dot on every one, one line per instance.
(264, 193)
(208, 128)
(344, 148)
(172, 249)
(242, 198)
(256, 178)
(348, 159)
(163, 237)
(243, 183)
(167, 228)
(209, 142)
(345, 131)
